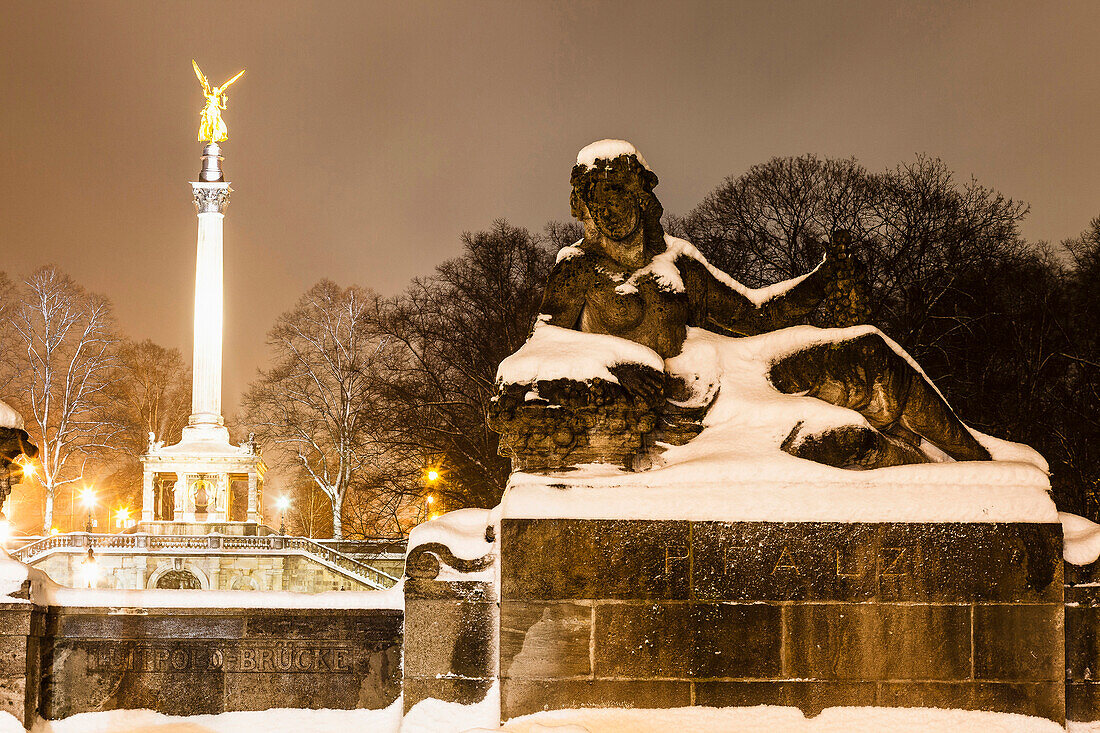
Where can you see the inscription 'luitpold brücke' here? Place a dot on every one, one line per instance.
(210, 657)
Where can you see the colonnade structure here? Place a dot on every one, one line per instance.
(205, 483)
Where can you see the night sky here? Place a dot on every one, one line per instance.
(365, 137)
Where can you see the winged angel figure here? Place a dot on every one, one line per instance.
(211, 126)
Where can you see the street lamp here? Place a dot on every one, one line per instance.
(26, 466)
(431, 478)
(122, 516)
(282, 504)
(87, 498)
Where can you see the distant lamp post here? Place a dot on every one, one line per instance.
(282, 504)
(122, 517)
(431, 478)
(88, 499)
(26, 467)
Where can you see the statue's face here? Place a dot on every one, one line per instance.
(615, 209)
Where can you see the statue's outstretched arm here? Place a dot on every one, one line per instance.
(564, 297)
(717, 306)
(794, 306)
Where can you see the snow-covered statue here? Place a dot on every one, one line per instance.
(15, 444)
(642, 345)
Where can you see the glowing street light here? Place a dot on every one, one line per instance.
(122, 516)
(282, 504)
(433, 475)
(26, 466)
(88, 499)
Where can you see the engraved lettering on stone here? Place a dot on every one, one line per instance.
(785, 562)
(246, 657)
(669, 557)
(894, 561)
(736, 550)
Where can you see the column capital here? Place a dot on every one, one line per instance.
(211, 197)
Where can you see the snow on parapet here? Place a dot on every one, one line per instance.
(1082, 539)
(608, 150)
(462, 531)
(55, 595)
(9, 418)
(553, 352)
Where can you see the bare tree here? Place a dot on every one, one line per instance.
(320, 405)
(150, 392)
(70, 345)
(453, 329)
(10, 363)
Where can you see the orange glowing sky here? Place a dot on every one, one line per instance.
(366, 136)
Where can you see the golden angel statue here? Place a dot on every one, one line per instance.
(211, 126)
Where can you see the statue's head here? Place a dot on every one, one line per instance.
(613, 185)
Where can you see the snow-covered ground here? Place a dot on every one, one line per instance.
(437, 717)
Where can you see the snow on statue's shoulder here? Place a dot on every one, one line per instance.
(608, 150)
(553, 352)
(9, 418)
(570, 251)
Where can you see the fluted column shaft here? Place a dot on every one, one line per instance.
(206, 385)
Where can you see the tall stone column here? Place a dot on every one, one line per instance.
(253, 504)
(148, 501)
(211, 195)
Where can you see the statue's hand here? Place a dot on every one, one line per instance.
(644, 383)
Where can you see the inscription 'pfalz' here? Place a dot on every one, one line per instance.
(249, 657)
(850, 563)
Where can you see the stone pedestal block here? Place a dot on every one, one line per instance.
(20, 636)
(450, 641)
(659, 614)
(1083, 643)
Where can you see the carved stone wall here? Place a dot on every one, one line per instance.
(183, 661)
(656, 614)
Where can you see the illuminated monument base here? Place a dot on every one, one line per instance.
(204, 482)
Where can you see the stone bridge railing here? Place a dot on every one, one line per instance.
(372, 577)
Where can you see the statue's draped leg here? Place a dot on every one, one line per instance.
(866, 375)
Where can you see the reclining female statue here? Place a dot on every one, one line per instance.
(627, 278)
